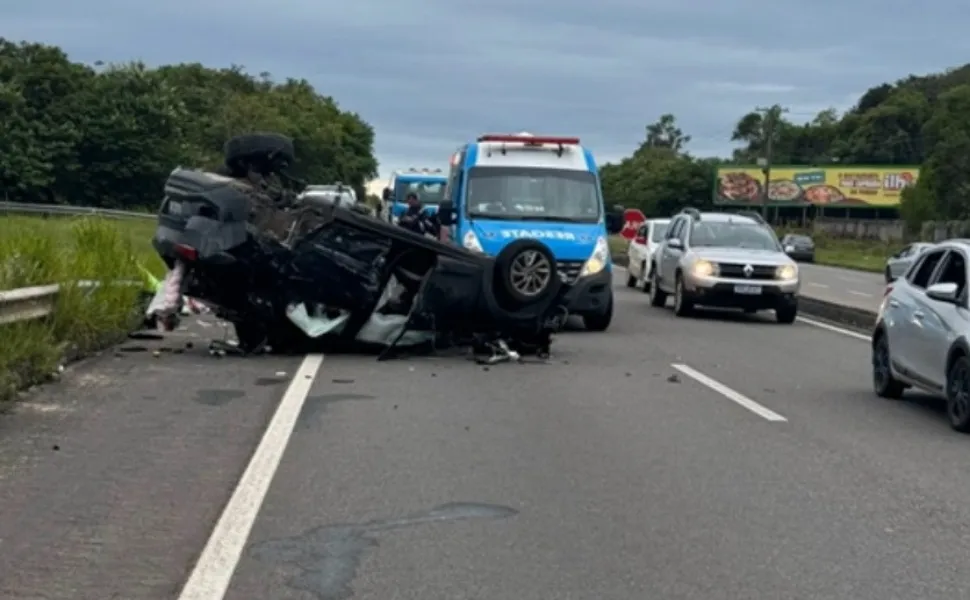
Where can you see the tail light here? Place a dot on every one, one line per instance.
(640, 240)
(186, 253)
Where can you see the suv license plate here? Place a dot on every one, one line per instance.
(747, 290)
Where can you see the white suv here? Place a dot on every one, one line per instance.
(640, 252)
(724, 260)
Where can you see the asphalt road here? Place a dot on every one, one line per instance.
(859, 289)
(717, 457)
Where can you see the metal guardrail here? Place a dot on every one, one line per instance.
(71, 211)
(26, 304)
(37, 302)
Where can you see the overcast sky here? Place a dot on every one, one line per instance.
(430, 74)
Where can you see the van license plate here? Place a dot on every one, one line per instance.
(747, 290)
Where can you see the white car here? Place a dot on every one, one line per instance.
(640, 252)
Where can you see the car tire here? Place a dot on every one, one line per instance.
(786, 313)
(599, 321)
(631, 281)
(889, 275)
(645, 286)
(245, 148)
(509, 265)
(958, 394)
(883, 382)
(682, 304)
(658, 297)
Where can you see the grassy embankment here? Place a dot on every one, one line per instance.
(37, 251)
(847, 254)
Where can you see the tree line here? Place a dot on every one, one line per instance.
(108, 135)
(919, 120)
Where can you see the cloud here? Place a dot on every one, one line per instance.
(431, 74)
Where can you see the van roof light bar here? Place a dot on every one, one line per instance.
(532, 141)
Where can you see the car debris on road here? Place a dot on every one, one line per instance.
(292, 273)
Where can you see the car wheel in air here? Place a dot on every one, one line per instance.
(658, 297)
(682, 304)
(883, 382)
(526, 271)
(958, 394)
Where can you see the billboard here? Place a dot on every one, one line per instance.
(820, 186)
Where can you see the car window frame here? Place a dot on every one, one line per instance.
(918, 264)
(938, 271)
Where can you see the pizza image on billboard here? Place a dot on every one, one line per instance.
(844, 185)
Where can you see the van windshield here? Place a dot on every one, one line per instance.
(430, 193)
(532, 194)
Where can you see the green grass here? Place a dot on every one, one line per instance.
(36, 251)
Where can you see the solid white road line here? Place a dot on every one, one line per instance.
(833, 328)
(736, 397)
(213, 572)
(863, 294)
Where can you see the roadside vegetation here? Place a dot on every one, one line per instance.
(108, 136)
(919, 120)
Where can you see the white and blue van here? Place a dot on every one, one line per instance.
(507, 187)
(427, 184)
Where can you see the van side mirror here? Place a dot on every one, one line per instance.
(614, 220)
(446, 213)
(386, 194)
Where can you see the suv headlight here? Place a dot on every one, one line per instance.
(786, 272)
(703, 268)
(470, 242)
(598, 260)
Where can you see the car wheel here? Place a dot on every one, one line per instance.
(889, 275)
(786, 313)
(682, 304)
(958, 394)
(526, 271)
(252, 147)
(645, 286)
(658, 297)
(599, 321)
(631, 281)
(883, 382)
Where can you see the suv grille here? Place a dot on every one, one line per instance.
(570, 268)
(736, 271)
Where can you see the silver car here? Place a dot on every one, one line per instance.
(897, 264)
(920, 337)
(724, 260)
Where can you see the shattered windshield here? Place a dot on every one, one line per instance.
(732, 234)
(516, 193)
(428, 192)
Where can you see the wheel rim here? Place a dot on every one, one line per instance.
(530, 273)
(880, 364)
(959, 392)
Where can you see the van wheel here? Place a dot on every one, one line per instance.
(599, 321)
(526, 272)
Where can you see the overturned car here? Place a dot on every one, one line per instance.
(292, 273)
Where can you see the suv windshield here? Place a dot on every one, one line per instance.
(517, 194)
(732, 234)
(429, 192)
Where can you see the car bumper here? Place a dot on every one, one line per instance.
(590, 294)
(730, 293)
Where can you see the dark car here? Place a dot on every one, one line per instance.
(799, 247)
(286, 270)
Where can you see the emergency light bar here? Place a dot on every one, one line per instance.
(530, 140)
